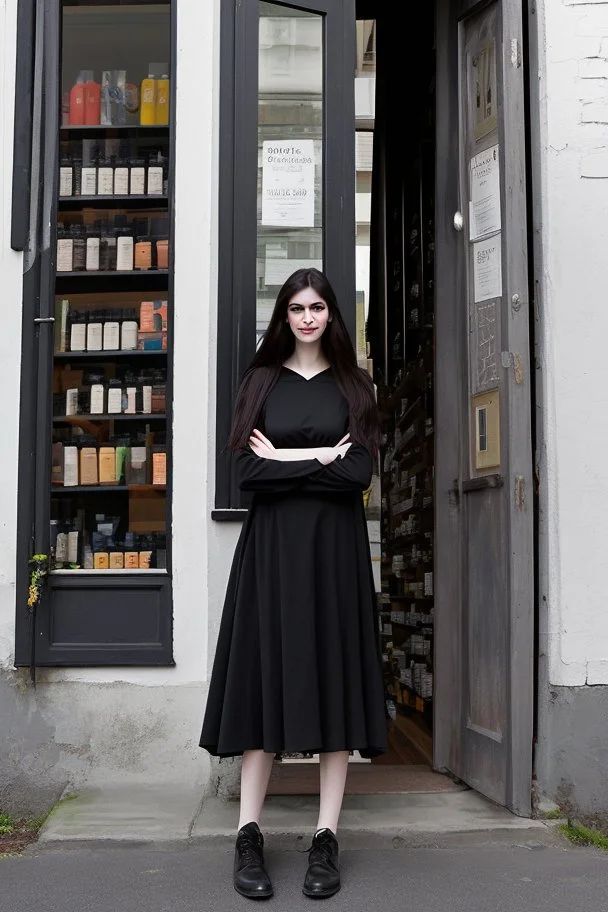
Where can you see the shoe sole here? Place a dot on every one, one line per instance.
(255, 895)
(321, 895)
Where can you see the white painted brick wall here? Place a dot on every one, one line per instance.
(573, 86)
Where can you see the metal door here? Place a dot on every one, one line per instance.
(484, 520)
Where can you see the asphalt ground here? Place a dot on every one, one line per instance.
(391, 877)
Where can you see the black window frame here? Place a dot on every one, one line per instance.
(40, 638)
(238, 199)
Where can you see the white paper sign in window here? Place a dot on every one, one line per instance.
(288, 183)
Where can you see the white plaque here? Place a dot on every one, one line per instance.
(485, 193)
(487, 269)
(288, 183)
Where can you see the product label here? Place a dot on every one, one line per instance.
(101, 560)
(155, 181)
(70, 466)
(61, 548)
(66, 181)
(138, 181)
(159, 468)
(94, 336)
(78, 337)
(88, 466)
(107, 465)
(124, 254)
(132, 560)
(111, 336)
(147, 400)
(92, 254)
(88, 182)
(73, 547)
(71, 402)
(65, 254)
(116, 560)
(121, 181)
(114, 400)
(97, 399)
(129, 336)
(144, 560)
(131, 400)
(105, 182)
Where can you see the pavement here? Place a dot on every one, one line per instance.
(477, 876)
(156, 849)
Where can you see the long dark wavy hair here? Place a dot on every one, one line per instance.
(279, 343)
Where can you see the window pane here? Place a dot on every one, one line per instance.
(365, 102)
(112, 306)
(290, 150)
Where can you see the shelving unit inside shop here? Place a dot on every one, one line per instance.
(407, 409)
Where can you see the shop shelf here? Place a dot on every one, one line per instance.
(144, 280)
(113, 202)
(91, 129)
(107, 355)
(69, 419)
(104, 489)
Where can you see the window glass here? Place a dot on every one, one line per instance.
(290, 150)
(110, 441)
(365, 104)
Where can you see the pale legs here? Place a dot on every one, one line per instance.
(255, 774)
(334, 767)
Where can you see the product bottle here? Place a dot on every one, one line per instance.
(79, 257)
(105, 178)
(114, 397)
(66, 178)
(162, 100)
(155, 177)
(121, 178)
(137, 185)
(148, 95)
(92, 100)
(111, 332)
(128, 331)
(108, 250)
(65, 251)
(93, 242)
(77, 101)
(124, 250)
(78, 331)
(94, 332)
(143, 253)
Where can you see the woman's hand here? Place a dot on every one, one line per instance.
(326, 455)
(262, 446)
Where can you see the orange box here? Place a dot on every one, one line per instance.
(153, 316)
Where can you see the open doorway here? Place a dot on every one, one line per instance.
(395, 150)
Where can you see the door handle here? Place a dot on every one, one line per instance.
(458, 221)
(44, 319)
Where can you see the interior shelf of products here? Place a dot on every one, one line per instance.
(406, 615)
(110, 432)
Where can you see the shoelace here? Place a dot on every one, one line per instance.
(250, 851)
(319, 852)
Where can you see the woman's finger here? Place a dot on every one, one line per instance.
(264, 439)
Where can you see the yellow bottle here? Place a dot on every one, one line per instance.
(162, 100)
(147, 103)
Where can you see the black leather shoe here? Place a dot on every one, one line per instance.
(323, 875)
(250, 876)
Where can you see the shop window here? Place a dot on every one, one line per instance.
(287, 178)
(104, 356)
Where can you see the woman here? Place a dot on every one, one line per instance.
(297, 666)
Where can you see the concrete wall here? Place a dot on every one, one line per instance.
(570, 148)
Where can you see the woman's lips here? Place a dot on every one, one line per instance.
(308, 331)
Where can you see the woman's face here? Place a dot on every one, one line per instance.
(307, 315)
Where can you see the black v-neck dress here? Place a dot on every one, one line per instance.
(298, 665)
